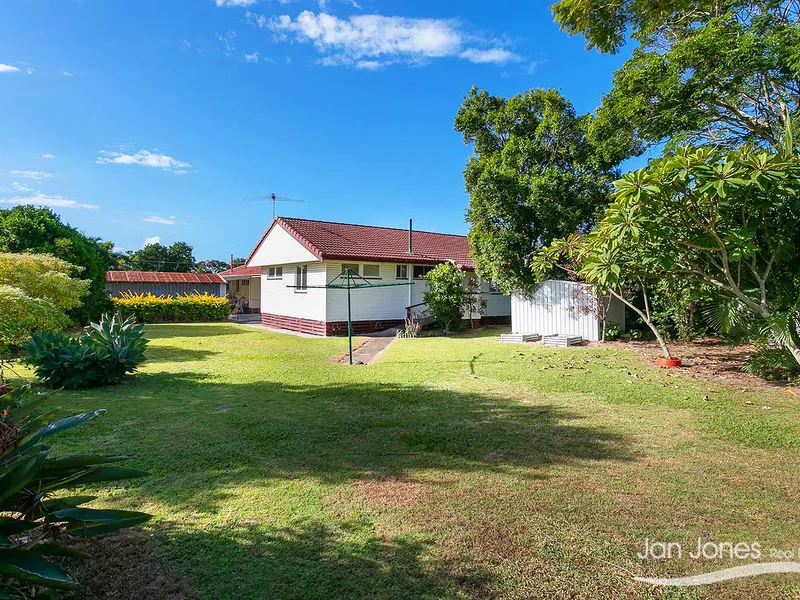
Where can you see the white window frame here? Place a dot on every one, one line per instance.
(423, 267)
(364, 271)
(357, 266)
(275, 273)
(301, 279)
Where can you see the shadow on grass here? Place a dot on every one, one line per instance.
(313, 560)
(309, 560)
(202, 439)
(158, 354)
(157, 331)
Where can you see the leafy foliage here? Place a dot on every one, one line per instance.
(773, 362)
(101, 356)
(27, 229)
(723, 220)
(212, 266)
(35, 292)
(190, 308)
(176, 258)
(612, 332)
(534, 177)
(705, 71)
(32, 522)
(446, 296)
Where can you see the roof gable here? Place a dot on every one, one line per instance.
(281, 245)
(326, 240)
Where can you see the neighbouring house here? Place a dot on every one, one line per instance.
(296, 256)
(565, 308)
(245, 282)
(163, 284)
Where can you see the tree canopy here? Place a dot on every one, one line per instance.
(27, 229)
(705, 71)
(175, 258)
(534, 177)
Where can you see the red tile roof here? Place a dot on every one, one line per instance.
(161, 277)
(342, 241)
(242, 271)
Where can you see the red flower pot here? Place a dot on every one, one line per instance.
(668, 363)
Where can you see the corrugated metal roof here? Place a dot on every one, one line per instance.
(162, 277)
(241, 271)
(329, 240)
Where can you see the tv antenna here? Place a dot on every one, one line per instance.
(274, 198)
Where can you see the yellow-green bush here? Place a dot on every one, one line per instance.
(189, 308)
(35, 292)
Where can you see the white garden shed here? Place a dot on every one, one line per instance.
(564, 308)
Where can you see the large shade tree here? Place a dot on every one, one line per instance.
(533, 177)
(704, 71)
(727, 221)
(27, 229)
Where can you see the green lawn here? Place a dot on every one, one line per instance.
(454, 468)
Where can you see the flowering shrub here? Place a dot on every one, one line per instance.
(148, 308)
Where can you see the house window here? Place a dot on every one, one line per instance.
(401, 272)
(493, 287)
(373, 271)
(420, 271)
(245, 282)
(353, 268)
(275, 273)
(301, 281)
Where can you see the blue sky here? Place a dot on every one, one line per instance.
(154, 119)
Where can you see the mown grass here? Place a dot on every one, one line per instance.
(454, 468)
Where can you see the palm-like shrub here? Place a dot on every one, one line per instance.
(102, 356)
(32, 523)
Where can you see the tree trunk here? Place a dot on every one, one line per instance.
(794, 349)
(664, 348)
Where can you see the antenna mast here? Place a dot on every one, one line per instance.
(274, 198)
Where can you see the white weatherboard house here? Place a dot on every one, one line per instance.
(563, 308)
(295, 255)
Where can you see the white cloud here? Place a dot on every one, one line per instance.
(7, 68)
(492, 55)
(370, 65)
(235, 2)
(253, 57)
(151, 240)
(48, 155)
(47, 200)
(35, 175)
(143, 158)
(67, 74)
(18, 187)
(373, 41)
(160, 220)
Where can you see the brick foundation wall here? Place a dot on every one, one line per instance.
(332, 328)
(293, 324)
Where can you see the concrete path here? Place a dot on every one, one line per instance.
(371, 352)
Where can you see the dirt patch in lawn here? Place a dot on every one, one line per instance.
(708, 359)
(122, 568)
(391, 492)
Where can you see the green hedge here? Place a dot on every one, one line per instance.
(191, 308)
